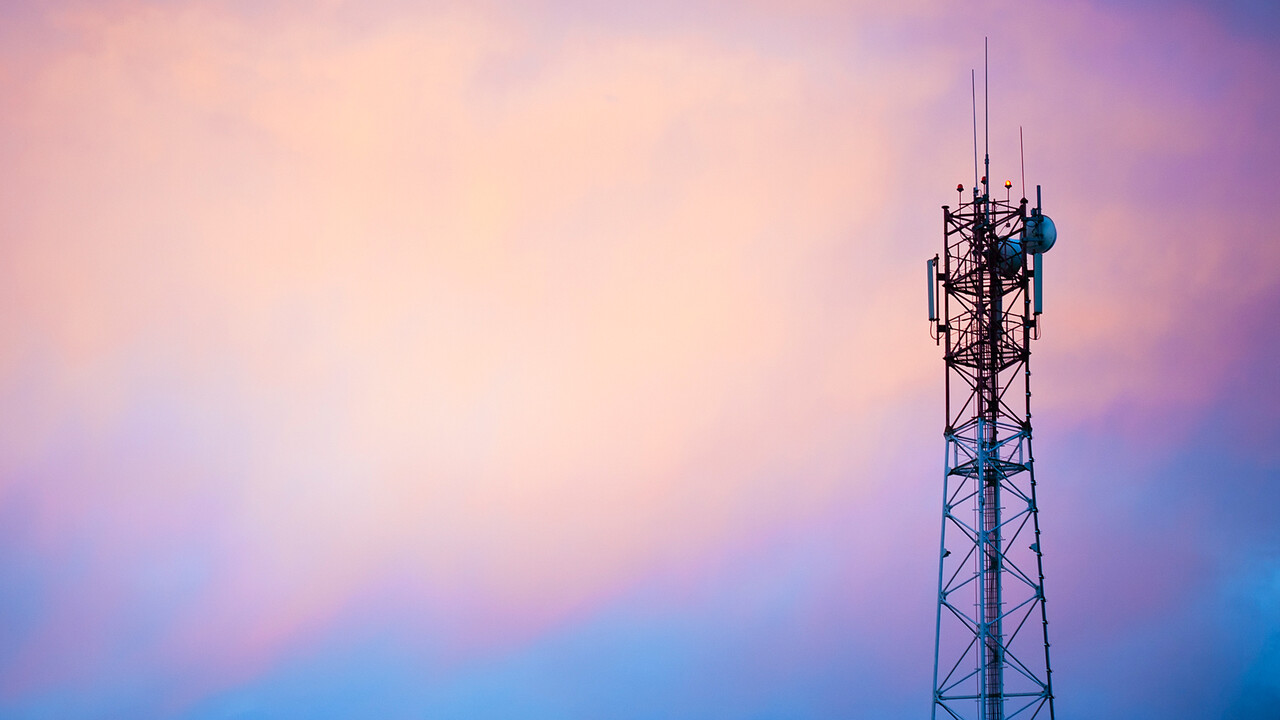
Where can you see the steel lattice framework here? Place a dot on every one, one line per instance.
(991, 654)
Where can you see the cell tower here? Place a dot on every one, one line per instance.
(991, 661)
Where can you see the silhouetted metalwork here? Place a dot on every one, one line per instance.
(991, 654)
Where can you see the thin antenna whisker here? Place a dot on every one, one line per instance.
(973, 84)
(1022, 156)
(986, 130)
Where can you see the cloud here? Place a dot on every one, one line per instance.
(388, 308)
(506, 313)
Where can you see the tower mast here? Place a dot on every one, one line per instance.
(991, 620)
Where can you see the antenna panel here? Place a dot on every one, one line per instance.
(1039, 282)
(931, 268)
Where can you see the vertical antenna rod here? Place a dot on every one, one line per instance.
(986, 119)
(1022, 157)
(973, 85)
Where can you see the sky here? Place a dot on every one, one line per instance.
(562, 360)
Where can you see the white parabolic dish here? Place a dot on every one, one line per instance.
(1041, 234)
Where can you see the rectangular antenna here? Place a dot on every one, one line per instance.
(932, 269)
(1037, 271)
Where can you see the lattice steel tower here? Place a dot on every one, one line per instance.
(991, 653)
